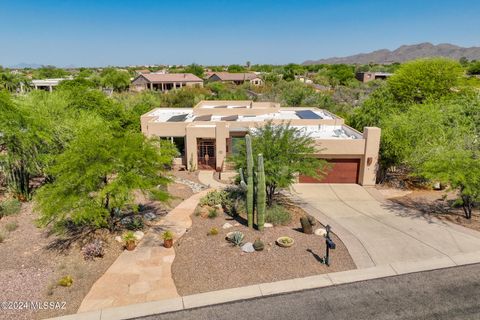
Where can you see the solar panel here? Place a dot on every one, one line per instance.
(203, 118)
(307, 114)
(178, 118)
(230, 118)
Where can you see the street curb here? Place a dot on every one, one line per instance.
(274, 288)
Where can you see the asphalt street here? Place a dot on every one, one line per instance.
(452, 293)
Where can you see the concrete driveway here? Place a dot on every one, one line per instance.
(377, 231)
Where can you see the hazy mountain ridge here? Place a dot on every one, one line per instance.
(405, 53)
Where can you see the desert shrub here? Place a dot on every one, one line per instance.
(213, 198)
(11, 226)
(93, 250)
(136, 223)
(167, 235)
(65, 281)
(212, 213)
(213, 231)
(197, 211)
(236, 238)
(277, 215)
(234, 203)
(9, 207)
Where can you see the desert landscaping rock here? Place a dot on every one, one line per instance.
(199, 256)
(138, 235)
(268, 225)
(149, 216)
(227, 226)
(118, 239)
(195, 186)
(320, 232)
(248, 247)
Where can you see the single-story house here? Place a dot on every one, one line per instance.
(165, 82)
(236, 78)
(206, 134)
(369, 76)
(46, 84)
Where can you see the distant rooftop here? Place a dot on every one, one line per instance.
(171, 77)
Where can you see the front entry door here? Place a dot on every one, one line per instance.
(206, 154)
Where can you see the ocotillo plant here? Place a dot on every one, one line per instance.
(261, 193)
(250, 186)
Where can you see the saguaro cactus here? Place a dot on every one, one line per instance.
(250, 186)
(261, 193)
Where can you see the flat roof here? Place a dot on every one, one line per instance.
(177, 114)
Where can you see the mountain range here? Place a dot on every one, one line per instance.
(405, 53)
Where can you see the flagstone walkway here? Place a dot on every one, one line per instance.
(144, 274)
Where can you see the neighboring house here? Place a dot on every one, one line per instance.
(369, 76)
(46, 84)
(142, 71)
(208, 133)
(165, 82)
(236, 78)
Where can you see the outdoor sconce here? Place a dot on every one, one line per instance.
(369, 161)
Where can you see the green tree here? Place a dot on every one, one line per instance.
(115, 79)
(33, 131)
(419, 80)
(96, 176)
(12, 82)
(340, 74)
(235, 68)
(49, 72)
(286, 151)
(195, 69)
(474, 68)
(439, 141)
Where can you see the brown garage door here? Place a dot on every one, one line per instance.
(341, 171)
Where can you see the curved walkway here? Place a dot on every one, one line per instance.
(206, 177)
(379, 232)
(144, 274)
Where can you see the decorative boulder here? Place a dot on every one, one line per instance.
(306, 225)
(268, 225)
(248, 247)
(258, 245)
(320, 232)
(227, 226)
(150, 216)
(138, 235)
(118, 239)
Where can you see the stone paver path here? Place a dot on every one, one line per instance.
(144, 274)
(206, 177)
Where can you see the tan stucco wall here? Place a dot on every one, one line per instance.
(367, 146)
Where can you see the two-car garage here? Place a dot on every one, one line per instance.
(339, 171)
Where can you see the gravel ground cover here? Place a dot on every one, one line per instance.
(30, 265)
(205, 263)
(431, 203)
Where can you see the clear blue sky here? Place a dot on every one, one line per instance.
(117, 32)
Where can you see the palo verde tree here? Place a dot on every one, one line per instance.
(425, 79)
(440, 141)
(286, 151)
(94, 179)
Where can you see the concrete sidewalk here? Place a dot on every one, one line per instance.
(380, 232)
(268, 289)
(143, 274)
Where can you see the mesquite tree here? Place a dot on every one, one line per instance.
(287, 151)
